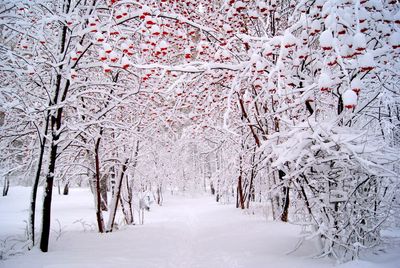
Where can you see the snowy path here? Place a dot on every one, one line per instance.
(186, 232)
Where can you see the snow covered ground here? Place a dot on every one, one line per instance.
(185, 232)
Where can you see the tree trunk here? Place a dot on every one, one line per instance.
(275, 199)
(103, 193)
(55, 121)
(159, 195)
(212, 188)
(240, 193)
(126, 198)
(116, 197)
(44, 241)
(285, 211)
(99, 214)
(251, 194)
(66, 189)
(127, 211)
(130, 208)
(55, 124)
(112, 180)
(32, 212)
(6, 185)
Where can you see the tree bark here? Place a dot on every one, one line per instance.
(99, 214)
(116, 197)
(285, 212)
(44, 241)
(6, 185)
(212, 188)
(32, 212)
(66, 189)
(251, 192)
(128, 213)
(55, 125)
(159, 195)
(103, 193)
(240, 193)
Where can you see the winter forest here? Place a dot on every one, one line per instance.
(139, 130)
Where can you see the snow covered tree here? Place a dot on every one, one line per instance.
(341, 62)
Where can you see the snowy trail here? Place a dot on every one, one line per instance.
(207, 234)
(187, 232)
(198, 230)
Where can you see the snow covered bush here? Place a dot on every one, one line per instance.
(342, 182)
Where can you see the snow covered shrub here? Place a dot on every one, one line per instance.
(342, 182)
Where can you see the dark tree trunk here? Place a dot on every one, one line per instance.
(127, 211)
(304, 194)
(285, 211)
(159, 195)
(55, 121)
(217, 191)
(127, 199)
(240, 198)
(251, 194)
(55, 125)
(126, 202)
(44, 241)
(237, 198)
(240, 193)
(212, 188)
(35, 185)
(6, 185)
(99, 214)
(66, 189)
(112, 181)
(116, 198)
